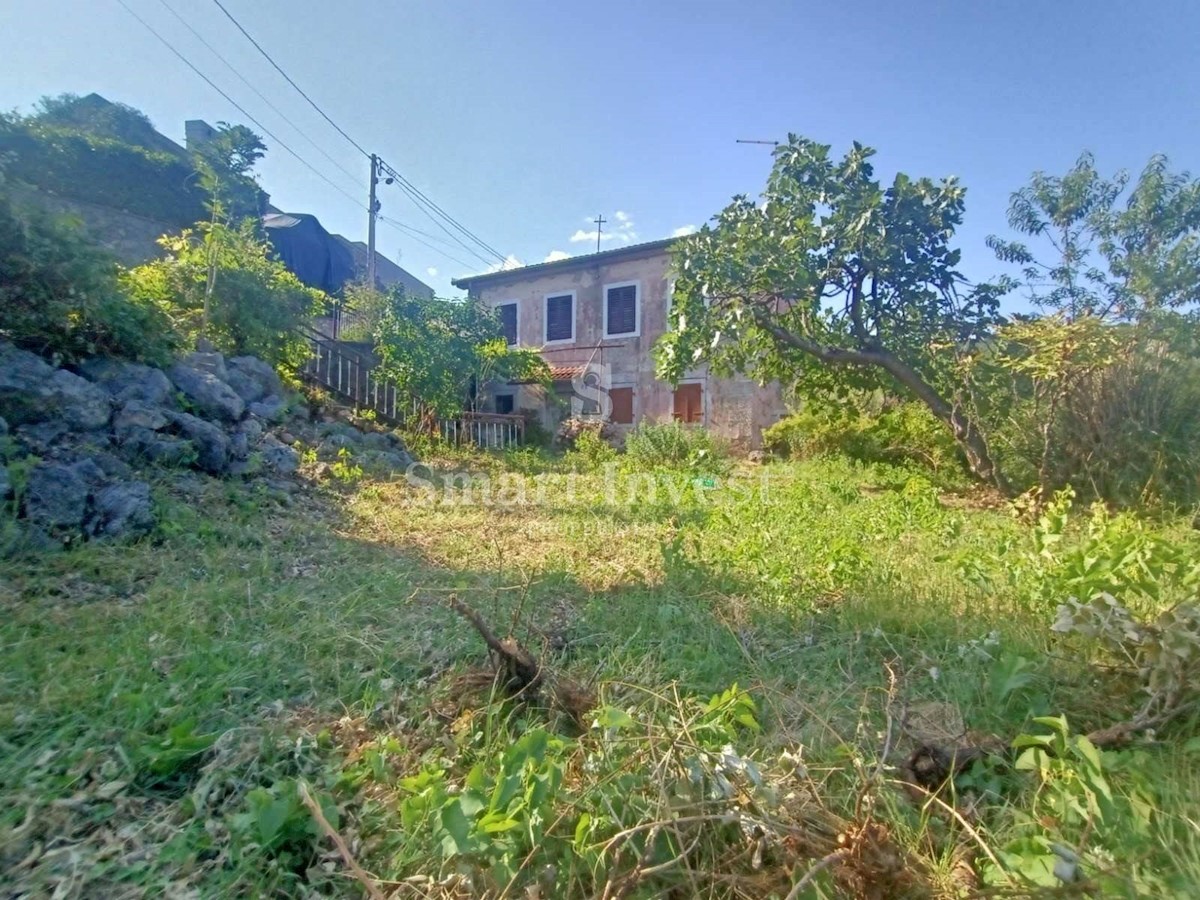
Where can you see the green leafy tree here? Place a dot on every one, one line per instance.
(1112, 266)
(59, 294)
(441, 351)
(834, 273)
(255, 304)
(226, 165)
(1106, 247)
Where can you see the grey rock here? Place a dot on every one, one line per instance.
(113, 468)
(336, 442)
(279, 457)
(130, 381)
(168, 450)
(211, 443)
(273, 408)
(375, 440)
(138, 414)
(253, 378)
(396, 461)
(39, 437)
(56, 496)
(253, 430)
(123, 510)
(209, 361)
(239, 445)
(31, 390)
(244, 387)
(209, 396)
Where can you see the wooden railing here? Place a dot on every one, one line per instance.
(491, 430)
(348, 372)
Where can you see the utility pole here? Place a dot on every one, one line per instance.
(373, 211)
(599, 220)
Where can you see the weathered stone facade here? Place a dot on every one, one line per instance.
(736, 409)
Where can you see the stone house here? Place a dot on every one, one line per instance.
(595, 320)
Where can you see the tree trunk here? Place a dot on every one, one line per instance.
(964, 428)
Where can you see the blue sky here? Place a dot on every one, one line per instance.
(525, 119)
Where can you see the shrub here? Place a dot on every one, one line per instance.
(869, 428)
(1125, 433)
(255, 305)
(592, 450)
(60, 296)
(103, 170)
(674, 445)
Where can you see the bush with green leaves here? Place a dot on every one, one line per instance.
(442, 351)
(867, 427)
(674, 445)
(109, 171)
(60, 295)
(224, 284)
(592, 450)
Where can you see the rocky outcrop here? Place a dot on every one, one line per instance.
(207, 394)
(211, 443)
(130, 381)
(81, 437)
(33, 391)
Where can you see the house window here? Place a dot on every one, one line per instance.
(560, 318)
(622, 406)
(508, 322)
(621, 313)
(689, 403)
(504, 403)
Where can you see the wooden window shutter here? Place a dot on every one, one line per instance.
(622, 310)
(560, 318)
(689, 403)
(622, 406)
(508, 322)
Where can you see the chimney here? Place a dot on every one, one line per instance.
(197, 132)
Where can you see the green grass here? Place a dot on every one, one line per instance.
(159, 703)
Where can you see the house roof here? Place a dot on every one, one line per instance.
(633, 251)
(566, 373)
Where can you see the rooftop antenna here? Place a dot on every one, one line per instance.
(599, 220)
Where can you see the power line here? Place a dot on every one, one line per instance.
(401, 227)
(453, 237)
(415, 193)
(423, 201)
(246, 81)
(237, 105)
(419, 198)
(287, 77)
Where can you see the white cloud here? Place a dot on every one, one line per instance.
(431, 272)
(582, 235)
(622, 230)
(684, 231)
(556, 255)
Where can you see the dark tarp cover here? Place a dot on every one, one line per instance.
(309, 251)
